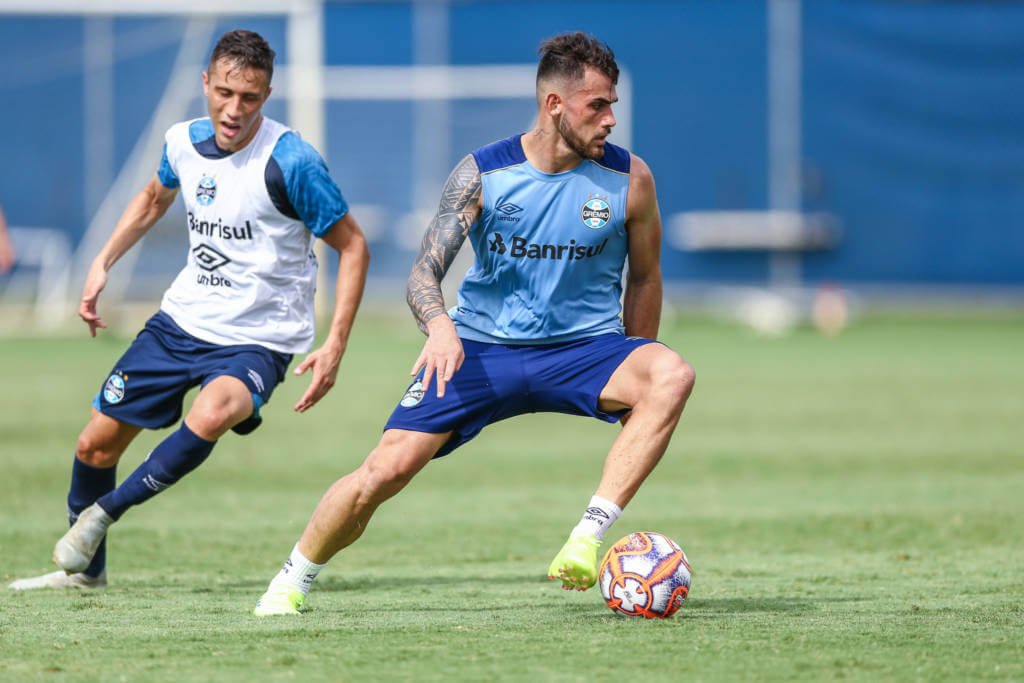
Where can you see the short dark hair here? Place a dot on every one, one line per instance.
(568, 54)
(244, 50)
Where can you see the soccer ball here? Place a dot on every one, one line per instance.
(645, 574)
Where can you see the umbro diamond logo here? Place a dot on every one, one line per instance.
(597, 512)
(508, 211)
(209, 258)
(508, 208)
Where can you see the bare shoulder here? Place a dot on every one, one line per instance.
(642, 199)
(639, 172)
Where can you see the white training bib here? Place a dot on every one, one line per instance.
(251, 272)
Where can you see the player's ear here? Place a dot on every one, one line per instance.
(206, 83)
(553, 103)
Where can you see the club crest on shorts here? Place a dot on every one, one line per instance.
(206, 191)
(413, 396)
(596, 213)
(113, 390)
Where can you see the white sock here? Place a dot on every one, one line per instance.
(298, 572)
(597, 518)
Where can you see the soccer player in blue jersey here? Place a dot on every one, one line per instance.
(541, 323)
(256, 197)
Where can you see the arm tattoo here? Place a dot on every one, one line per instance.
(458, 211)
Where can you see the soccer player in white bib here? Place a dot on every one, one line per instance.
(256, 197)
(541, 323)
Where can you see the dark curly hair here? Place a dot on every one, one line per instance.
(568, 54)
(244, 50)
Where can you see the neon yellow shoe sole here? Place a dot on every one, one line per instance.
(279, 600)
(576, 563)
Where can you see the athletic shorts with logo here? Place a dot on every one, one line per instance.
(148, 384)
(498, 381)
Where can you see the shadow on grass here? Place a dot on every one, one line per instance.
(368, 582)
(709, 608)
(364, 583)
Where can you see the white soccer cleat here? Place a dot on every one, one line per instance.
(75, 550)
(59, 580)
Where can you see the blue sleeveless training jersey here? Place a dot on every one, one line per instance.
(550, 249)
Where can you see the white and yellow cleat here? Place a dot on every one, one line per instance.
(60, 580)
(280, 598)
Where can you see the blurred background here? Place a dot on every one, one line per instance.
(814, 159)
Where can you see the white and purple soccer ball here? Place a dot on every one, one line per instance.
(645, 574)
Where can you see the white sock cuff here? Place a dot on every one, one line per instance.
(606, 505)
(600, 514)
(299, 571)
(299, 559)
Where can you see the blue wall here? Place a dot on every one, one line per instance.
(913, 119)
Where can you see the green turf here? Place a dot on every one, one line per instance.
(853, 509)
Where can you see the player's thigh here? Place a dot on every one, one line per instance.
(104, 440)
(222, 403)
(645, 370)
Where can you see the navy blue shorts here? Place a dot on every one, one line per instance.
(148, 384)
(498, 381)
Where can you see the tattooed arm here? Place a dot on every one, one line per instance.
(460, 207)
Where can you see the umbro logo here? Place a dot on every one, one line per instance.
(597, 512)
(508, 211)
(257, 378)
(154, 484)
(209, 258)
(498, 244)
(508, 208)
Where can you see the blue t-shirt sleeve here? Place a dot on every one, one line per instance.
(300, 186)
(166, 174)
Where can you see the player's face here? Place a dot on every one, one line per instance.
(587, 118)
(234, 98)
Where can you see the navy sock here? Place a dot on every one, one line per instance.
(172, 459)
(88, 484)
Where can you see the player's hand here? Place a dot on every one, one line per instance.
(95, 281)
(442, 355)
(324, 362)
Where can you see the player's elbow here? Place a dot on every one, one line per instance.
(358, 245)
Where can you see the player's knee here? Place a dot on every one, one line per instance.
(674, 380)
(210, 421)
(383, 478)
(95, 452)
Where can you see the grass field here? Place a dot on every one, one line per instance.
(853, 509)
